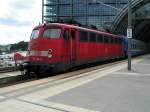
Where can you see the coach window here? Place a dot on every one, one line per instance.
(92, 37)
(83, 36)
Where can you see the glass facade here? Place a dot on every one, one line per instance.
(143, 12)
(99, 13)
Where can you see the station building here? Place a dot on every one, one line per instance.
(140, 20)
(107, 14)
(99, 13)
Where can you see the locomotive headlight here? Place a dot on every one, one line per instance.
(49, 55)
(28, 53)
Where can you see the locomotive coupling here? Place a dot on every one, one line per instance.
(23, 66)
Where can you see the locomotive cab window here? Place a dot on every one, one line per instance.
(35, 34)
(52, 33)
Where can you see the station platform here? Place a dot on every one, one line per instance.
(108, 89)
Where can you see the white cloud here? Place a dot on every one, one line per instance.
(18, 18)
(11, 34)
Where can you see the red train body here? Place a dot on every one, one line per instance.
(60, 47)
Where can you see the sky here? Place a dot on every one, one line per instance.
(17, 19)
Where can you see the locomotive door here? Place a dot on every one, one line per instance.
(72, 44)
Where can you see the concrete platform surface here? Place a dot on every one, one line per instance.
(110, 89)
(9, 74)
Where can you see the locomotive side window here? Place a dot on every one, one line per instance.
(109, 39)
(106, 40)
(92, 37)
(52, 33)
(118, 40)
(100, 38)
(83, 36)
(114, 40)
(35, 34)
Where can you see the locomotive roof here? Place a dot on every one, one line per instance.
(79, 27)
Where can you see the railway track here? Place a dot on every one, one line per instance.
(7, 69)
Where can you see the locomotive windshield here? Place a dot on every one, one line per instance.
(52, 33)
(35, 34)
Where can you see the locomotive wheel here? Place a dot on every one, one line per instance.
(41, 72)
(37, 74)
(26, 74)
(23, 72)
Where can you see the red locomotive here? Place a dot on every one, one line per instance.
(59, 47)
